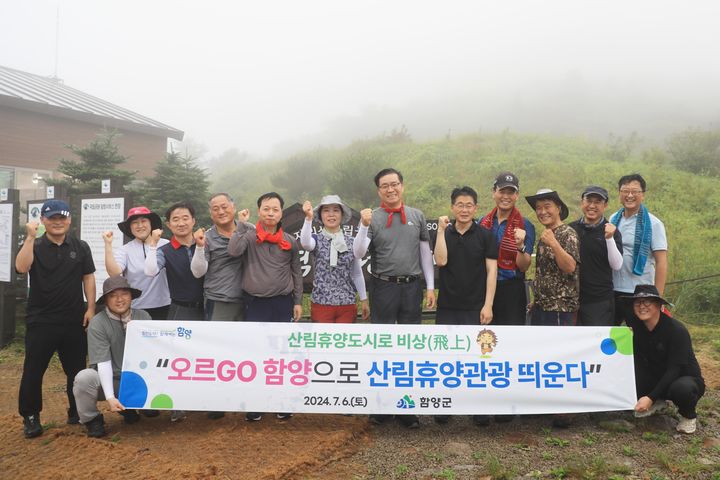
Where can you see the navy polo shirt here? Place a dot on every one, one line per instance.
(462, 281)
(596, 276)
(56, 281)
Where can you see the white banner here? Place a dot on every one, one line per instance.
(381, 369)
(99, 215)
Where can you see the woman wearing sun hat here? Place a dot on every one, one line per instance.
(129, 261)
(337, 273)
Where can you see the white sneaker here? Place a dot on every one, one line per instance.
(686, 425)
(657, 407)
(177, 415)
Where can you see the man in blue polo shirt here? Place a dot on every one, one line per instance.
(61, 269)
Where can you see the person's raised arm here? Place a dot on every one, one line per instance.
(25, 256)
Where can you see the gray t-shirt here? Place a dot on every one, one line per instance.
(223, 280)
(395, 250)
(106, 339)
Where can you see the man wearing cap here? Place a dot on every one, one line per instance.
(129, 261)
(106, 344)
(272, 281)
(399, 243)
(337, 273)
(61, 269)
(556, 284)
(644, 244)
(665, 364)
(600, 255)
(515, 238)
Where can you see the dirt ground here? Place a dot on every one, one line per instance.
(344, 447)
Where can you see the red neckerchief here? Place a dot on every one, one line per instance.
(390, 211)
(508, 248)
(277, 238)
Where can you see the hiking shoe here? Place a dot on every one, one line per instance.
(284, 416)
(253, 416)
(686, 425)
(504, 418)
(177, 415)
(130, 416)
(378, 419)
(215, 415)
(73, 418)
(657, 407)
(150, 413)
(409, 421)
(31, 426)
(562, 420)
(442, 419)
(481, 420)
(96, 427)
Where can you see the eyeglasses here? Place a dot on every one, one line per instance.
(464, 206)
(388, 186)
(645, 302)
(631, 192)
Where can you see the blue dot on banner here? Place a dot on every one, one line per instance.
(608, 346)
(133, 390)
(143, 365)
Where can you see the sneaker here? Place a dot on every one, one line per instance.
(73, 418)
(130, 416)
(657, 407)
(31, 426)
(284, 416)
(442, 419)
(177, 415)
(686, 425)
(150, 413)
(481, 420)
(96, 427)
(253, 416)
(215, 415)
(409, 421)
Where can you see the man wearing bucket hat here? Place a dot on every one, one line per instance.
(600, 255)
(556, 284)
(61, 269)
(665, 364)
(337, 274)
(129, 261)
(106, 344)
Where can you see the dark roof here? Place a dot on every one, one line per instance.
(26, 91)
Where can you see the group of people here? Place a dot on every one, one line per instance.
(590, 272)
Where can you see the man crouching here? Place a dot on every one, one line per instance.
(106, 343)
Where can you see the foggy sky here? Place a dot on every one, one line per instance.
(263, 76)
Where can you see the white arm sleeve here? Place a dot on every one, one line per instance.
(151, 266)
(361, 243)
(106, 379)
(199, 265)
(426, 262)
(358, 279)
(306, 239)
(615, 258)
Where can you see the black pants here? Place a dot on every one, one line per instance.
(623, 308)
(445, 316)
(684, 392)
(597, 314)
(41, 342)
(510, 304)
(396, 302)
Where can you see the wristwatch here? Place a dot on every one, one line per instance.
(521, 250)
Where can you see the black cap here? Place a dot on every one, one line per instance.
(506, 179)
(596, 190)
(645, 291)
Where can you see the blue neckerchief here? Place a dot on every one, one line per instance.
(643, 237)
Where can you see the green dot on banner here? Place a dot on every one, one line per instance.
(161, 401)
(623, 339)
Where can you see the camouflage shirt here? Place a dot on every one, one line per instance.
(556, 291)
